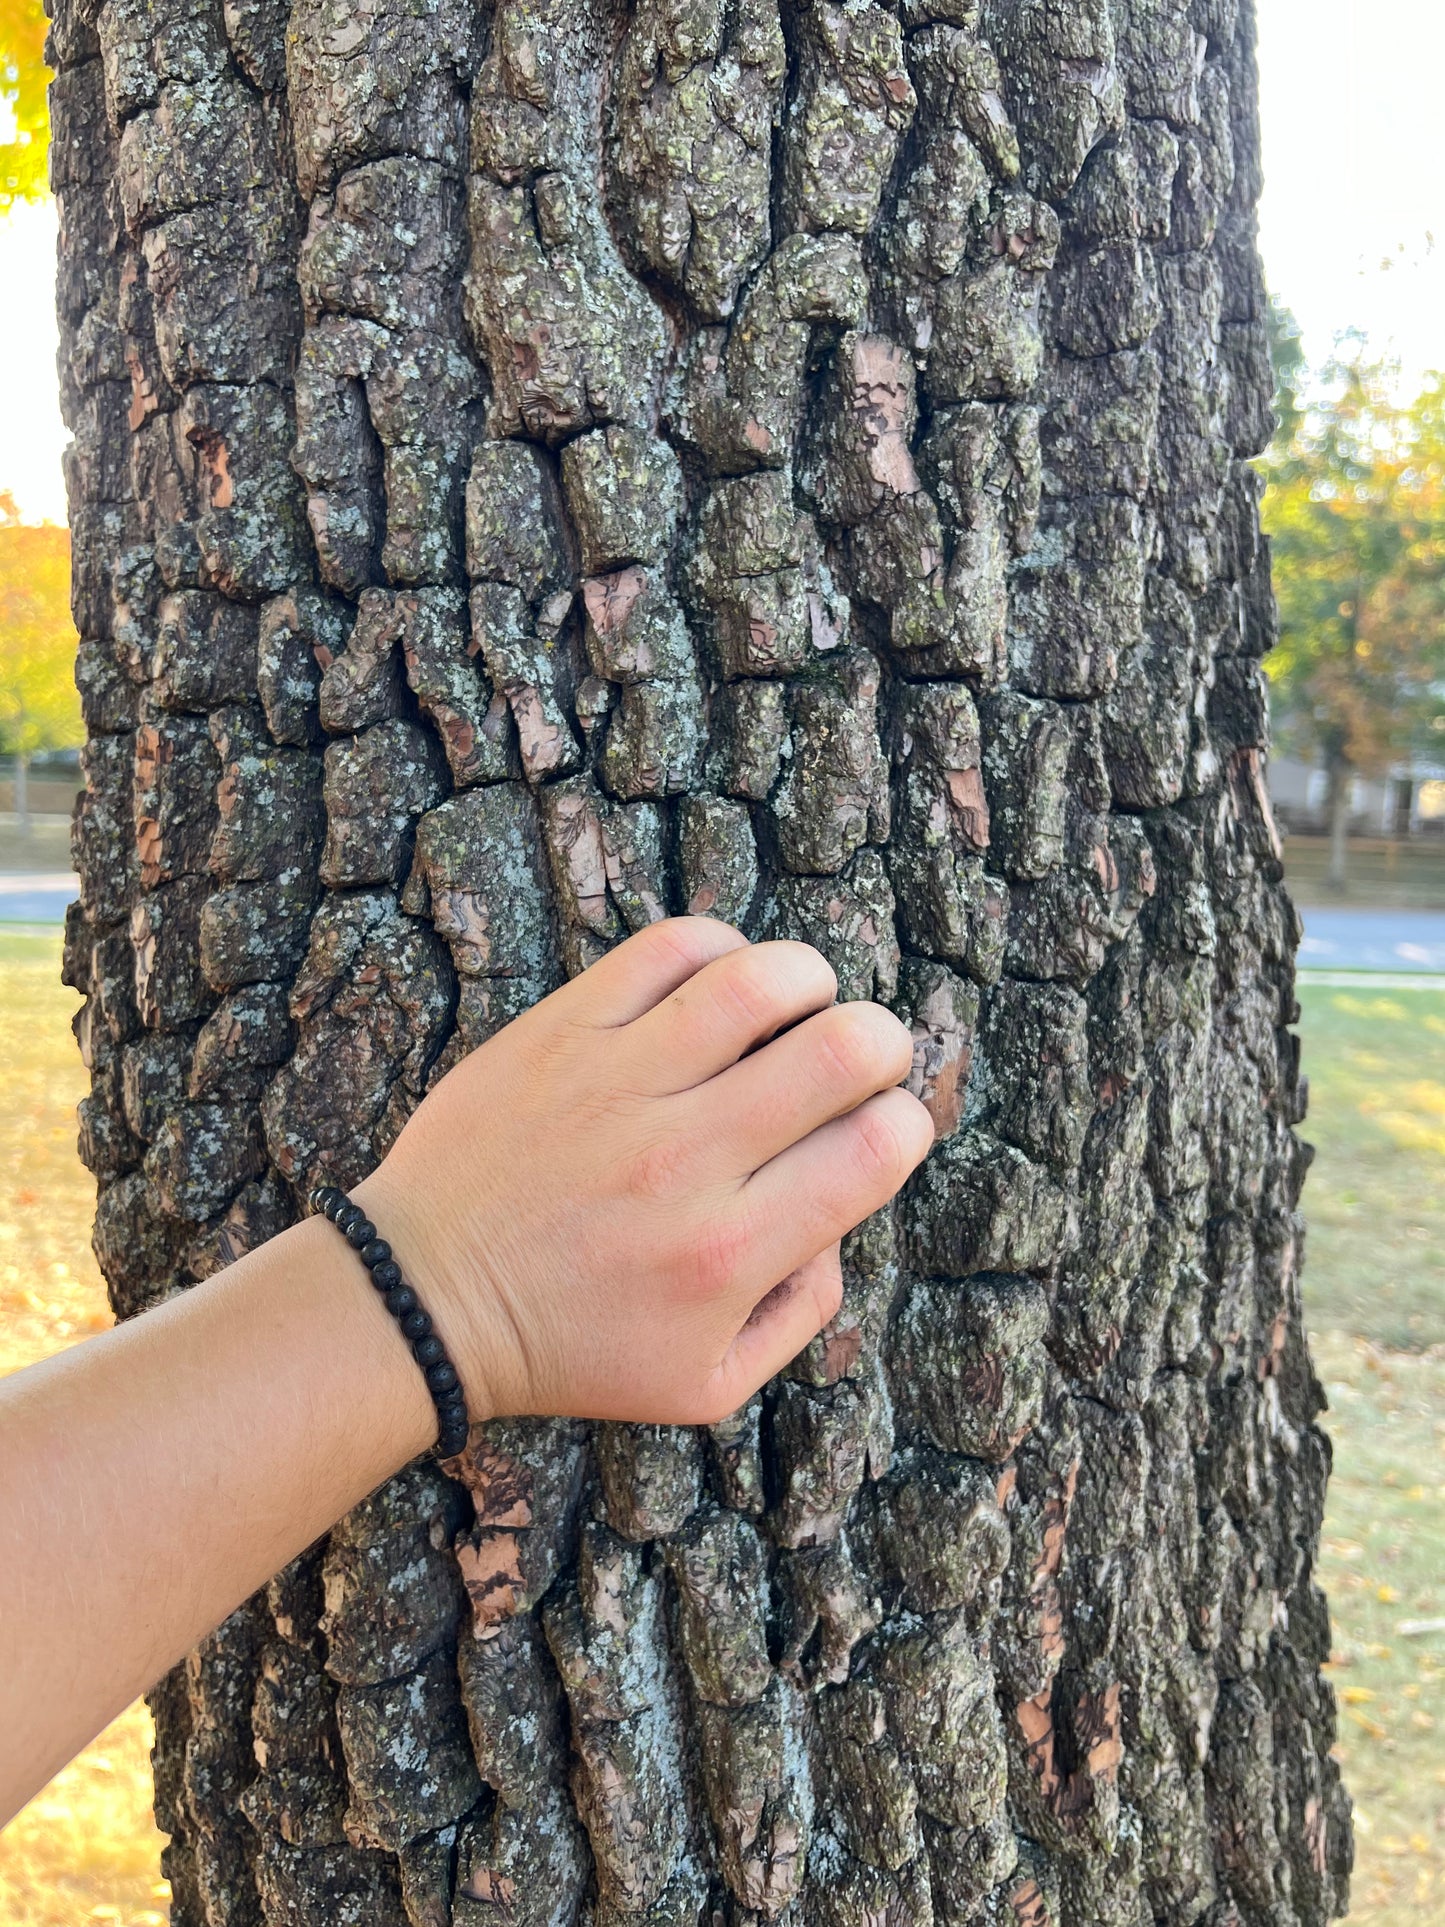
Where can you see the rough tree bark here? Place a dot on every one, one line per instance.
(542, 465)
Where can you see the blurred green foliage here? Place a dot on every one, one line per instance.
(1354, 506)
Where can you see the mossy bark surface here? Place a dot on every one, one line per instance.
(543, 466)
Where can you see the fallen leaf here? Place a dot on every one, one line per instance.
(1372, 1727)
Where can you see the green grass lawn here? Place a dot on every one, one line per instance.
(1374, 1282)
(1375, 1200)
(1374, 1292)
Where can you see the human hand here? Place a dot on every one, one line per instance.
(627, 1204)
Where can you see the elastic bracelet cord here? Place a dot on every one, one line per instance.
(401, 1301)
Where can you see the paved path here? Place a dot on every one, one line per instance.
(1409, 941)
(1385, 940)
(36, 896)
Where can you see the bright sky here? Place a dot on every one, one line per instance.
(1354, 178)
(1354, 172)
(31, 431)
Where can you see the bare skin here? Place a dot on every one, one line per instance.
(626, 1205)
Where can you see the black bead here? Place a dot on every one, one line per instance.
(401, 1301)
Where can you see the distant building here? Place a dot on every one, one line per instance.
(1410, 801)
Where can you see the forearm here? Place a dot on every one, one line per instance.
(153, 1477)
(625, 1205)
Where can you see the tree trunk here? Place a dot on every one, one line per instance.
(541, 468)
(1403, 807)
(1340, 775)
(20, 783)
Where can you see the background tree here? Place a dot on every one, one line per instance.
(1355, 511)
(39, 708)
(24, 113)
(542, 467)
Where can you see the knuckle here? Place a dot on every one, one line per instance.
(748, 993)
(877, 1147)
(847, 1054)
(718, 1250)
(659, 1170)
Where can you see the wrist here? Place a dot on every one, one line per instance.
(412, 1320)
(388, 1401)
(457, 1298)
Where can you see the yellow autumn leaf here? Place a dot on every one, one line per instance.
(1372, 1727)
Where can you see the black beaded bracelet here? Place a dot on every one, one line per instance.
(402, 1302)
